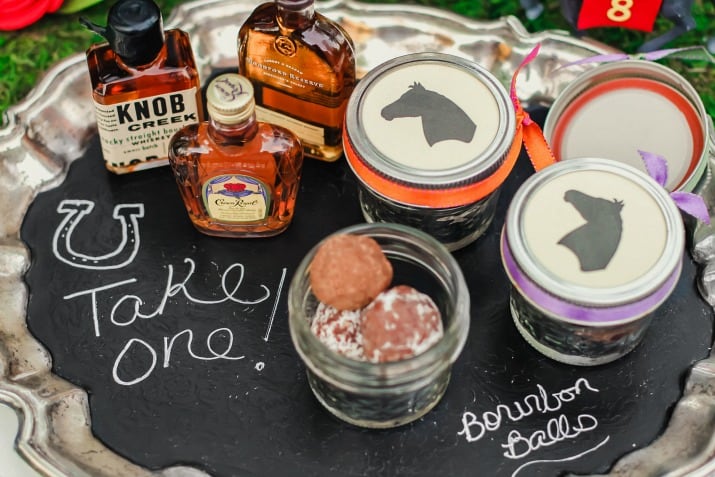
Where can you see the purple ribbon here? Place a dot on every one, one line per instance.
(688, 202)
(575, 312)
(695, 53)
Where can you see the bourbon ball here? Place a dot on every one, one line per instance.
(339, 330)
(400, 323)
(349, 271)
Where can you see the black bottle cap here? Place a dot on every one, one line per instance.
(135, 30)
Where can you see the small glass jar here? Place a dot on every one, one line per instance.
(431, 138)
(390, 394)
(592, 248)
(615, 109)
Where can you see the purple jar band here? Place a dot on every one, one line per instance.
(575, 312)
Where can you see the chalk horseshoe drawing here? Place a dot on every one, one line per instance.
(75, 211)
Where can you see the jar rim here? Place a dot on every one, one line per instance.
(351, 372)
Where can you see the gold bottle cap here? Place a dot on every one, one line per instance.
(229, 99)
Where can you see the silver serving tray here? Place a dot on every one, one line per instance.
(47, 131)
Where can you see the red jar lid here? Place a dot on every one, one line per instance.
(616, 109)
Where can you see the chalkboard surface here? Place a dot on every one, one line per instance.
(181, 341)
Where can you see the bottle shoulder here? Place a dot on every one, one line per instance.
(278, 137)
(174, 63)
(197, 140)
(263, 16)
(178, 50)
(315, 51)
(331, 28)
(320, 32)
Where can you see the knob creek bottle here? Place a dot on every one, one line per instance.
(145, 85)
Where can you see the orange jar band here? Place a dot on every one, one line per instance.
(434, 198)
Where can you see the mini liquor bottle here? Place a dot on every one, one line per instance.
(302, 66)
(145, 85)
(238, 177)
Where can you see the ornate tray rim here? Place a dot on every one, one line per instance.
(47, 131)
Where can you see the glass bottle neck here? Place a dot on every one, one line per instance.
(157, 61)
(233, 134)
(295, 14)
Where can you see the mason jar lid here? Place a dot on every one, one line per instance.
(428, 121)
(594, 232)
(617, 108)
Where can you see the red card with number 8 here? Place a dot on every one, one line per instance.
(631, 14)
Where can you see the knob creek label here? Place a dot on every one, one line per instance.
(135, 134)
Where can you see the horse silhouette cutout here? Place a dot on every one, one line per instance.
(442, 119)
(595, 242)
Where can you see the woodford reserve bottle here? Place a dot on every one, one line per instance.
(238, 177)
(145, 85)
(302, 66)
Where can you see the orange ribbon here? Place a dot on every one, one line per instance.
(527, 132)
(535, 143)
(434, 198)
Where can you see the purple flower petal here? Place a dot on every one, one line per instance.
(656, 166)
(691, 204)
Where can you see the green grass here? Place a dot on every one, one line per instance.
(25, 55)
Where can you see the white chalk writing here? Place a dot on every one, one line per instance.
(275, 307)
(473, 429)
(140, 357)
(557, 429)
(172, 289)
(121, 256)
(565, 459)
(168, 346)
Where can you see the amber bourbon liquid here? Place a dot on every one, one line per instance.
(302, 66)
(139, 108)
(237, 178)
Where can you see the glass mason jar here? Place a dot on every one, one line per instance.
(431, 138)
(592, 248)
(389, 394)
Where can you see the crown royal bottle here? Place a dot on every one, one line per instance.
(145, 85)
(238, 177)
(302, 66)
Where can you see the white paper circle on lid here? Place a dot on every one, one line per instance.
(430, 116)
(616, 121)
(594, 229)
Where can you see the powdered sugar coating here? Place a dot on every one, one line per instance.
(349, 271)
(400, 323)
(339, 330)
